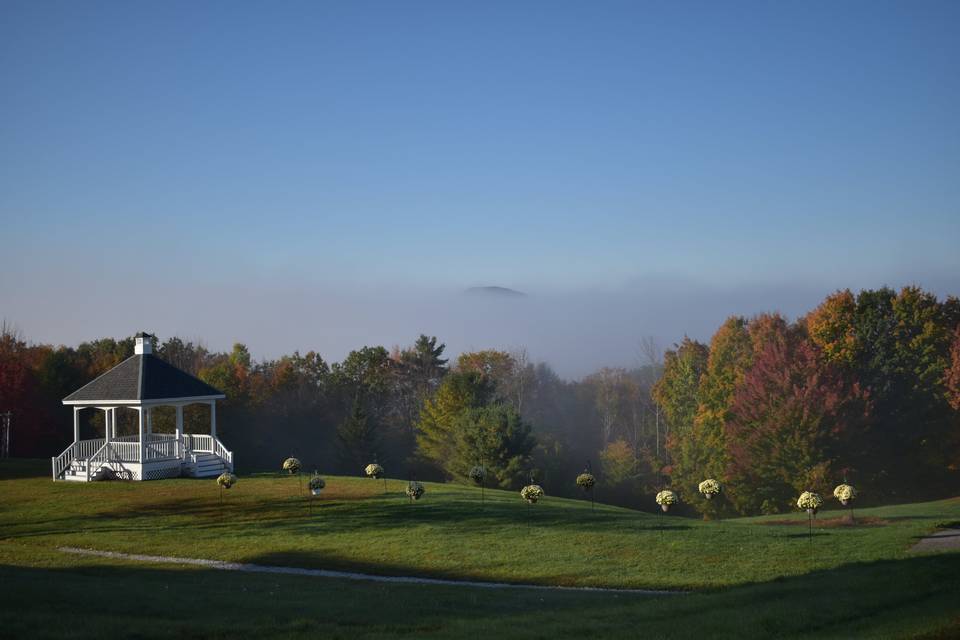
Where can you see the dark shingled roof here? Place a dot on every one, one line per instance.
(142, 377)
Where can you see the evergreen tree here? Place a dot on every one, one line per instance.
(358, 438)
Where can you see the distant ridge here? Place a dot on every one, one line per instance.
(501, 292)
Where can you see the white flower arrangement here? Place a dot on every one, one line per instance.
(844, 493)
(226, 480)
(415, 490)
(477, 474)
(531, 493)
(586, 481)
(810, 501)
(374, 471)
(291, 465)
(317, 484)
(666, 498)
(709, 488)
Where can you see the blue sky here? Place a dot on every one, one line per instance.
(313, 150)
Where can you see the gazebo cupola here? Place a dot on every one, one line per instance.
(141, 383)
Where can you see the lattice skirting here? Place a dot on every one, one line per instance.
(171, 470)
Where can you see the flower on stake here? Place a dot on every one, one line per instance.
(845, 493)
(531, 493)
(415, 490)
(810, 502)
(586, 481)
(291, 465)
(709, 488)
(226, 480)
(316, 484)
(477, 474)
(666, 498)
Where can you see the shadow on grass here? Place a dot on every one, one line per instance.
(892, 598)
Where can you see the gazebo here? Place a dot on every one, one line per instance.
(140, 383)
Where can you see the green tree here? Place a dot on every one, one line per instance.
(458, 393)
(699, 452)
(358, 438)
(497, 435)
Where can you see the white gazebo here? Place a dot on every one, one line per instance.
(140, 383)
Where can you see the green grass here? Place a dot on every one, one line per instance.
(750, 578)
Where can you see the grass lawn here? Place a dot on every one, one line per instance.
(751, 577)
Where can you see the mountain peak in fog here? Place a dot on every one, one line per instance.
(502, 292)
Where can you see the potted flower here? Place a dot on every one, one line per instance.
(316, 484)
(845, 493)
(709, 488)
(810, 501)
(375, 471)
(531, 493)
(224, 481)
(666, 499)
(291, 465)
(415, 490)
(586, 481)
(477, 474)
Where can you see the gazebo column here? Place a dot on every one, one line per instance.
(106, 424)
(213, 420)
(140, 433)
(113, 423)
(149, 421)
(179, 431)
(76, 424)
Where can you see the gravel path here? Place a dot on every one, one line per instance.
(345, 575)
(945, 540)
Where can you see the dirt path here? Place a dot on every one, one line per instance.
(945, 540)
(345, 575)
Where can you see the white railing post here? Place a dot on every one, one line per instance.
(140, 452)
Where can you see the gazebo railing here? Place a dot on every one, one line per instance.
(157, 446)
(80, 450)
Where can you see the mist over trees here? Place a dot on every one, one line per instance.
(866, 387)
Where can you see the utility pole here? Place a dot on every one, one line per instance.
(6, 425)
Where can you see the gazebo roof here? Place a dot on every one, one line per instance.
(142, 377)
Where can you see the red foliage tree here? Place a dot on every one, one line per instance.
(792, 416)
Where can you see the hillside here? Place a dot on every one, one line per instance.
(751, 578)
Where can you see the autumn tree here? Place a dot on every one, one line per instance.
(790, 424)
(436, 428)
(700, 451)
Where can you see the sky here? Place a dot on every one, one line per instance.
(325, 175)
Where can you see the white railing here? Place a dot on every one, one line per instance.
(157, 446)
(160, 449)
(198, 442)
(97, 460)
(76, 451)
(222, 451)
(126, 451)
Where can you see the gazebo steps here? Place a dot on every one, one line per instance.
(205, 465)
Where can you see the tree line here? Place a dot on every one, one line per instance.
(865, 388)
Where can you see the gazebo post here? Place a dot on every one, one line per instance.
(140, 434)
(179, 432)
(106, 424)
(76, 424)
(113, 423)
(213, 420)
